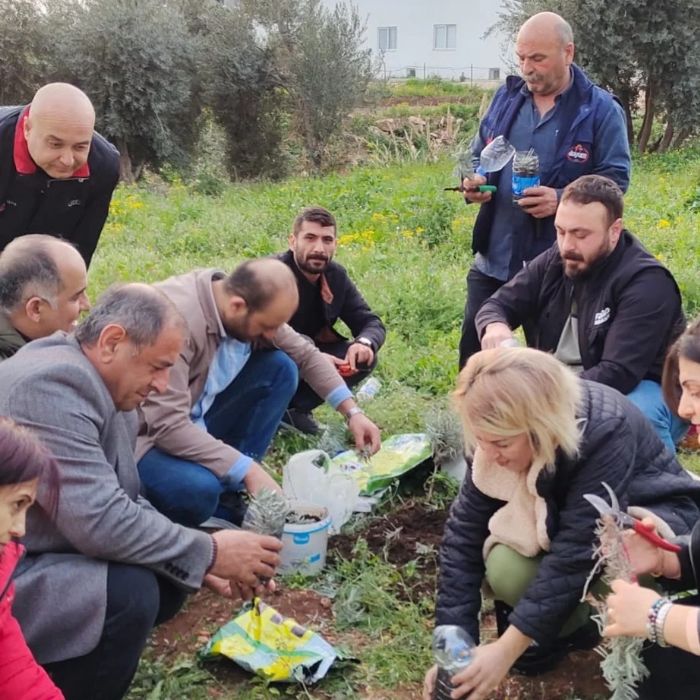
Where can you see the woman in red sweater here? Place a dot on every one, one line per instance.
(22, 461)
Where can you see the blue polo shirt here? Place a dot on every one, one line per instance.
(529, 130)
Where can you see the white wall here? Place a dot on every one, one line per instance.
(414, 19)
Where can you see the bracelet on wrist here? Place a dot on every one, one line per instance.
(354, 411)
(661, 621)
(214, 554)
(655, 620)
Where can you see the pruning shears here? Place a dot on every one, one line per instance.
(475, 188)
(626, 520)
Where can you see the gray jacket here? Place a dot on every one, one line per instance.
(51, 387)
(10, 340)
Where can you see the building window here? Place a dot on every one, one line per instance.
(445, 36)
(386, 38)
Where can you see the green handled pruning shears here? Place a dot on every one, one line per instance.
(475, 188)
(464, 170)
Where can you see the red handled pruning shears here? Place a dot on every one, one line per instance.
(625, 520)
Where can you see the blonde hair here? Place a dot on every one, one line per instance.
(511, 391)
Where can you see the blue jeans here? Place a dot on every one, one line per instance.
(245, 415)
(648, 398)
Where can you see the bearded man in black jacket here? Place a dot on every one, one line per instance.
(57, 174)
(327, 294)
(598, 300)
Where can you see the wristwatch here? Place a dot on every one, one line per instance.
(353, 412)
(365, 341)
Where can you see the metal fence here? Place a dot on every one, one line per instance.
(466, 74)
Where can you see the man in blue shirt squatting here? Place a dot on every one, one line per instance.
(201, 438)
(575, 128)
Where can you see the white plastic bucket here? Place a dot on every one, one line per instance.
(305, 479)
(305, 544)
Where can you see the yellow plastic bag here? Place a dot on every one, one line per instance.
(274, 647)
(399, 454)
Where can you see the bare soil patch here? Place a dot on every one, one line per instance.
(410, 534)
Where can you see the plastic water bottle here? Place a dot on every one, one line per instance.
(368, 390)
(509, 343)
(495, 156)
(453, 650)
(526, 172)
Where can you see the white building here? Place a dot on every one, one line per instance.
(423, 39)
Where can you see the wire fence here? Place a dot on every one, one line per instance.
(473, 75)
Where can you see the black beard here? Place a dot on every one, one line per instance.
(305, 267)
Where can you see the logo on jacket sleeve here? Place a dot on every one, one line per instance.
(578, 154)
(601, 316)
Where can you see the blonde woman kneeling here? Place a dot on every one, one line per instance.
(541, 438)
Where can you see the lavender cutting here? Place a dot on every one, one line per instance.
(622, 666)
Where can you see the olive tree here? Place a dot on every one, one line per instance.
(135, 60)
(323, 63)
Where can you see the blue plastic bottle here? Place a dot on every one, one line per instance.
(526, 172)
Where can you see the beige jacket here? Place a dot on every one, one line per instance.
(165, 418)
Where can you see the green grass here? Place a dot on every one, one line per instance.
(407, 245)
(433, 87)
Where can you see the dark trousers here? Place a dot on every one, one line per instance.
(674, 673)
(306, 399)
(479, 288)
(137, 601)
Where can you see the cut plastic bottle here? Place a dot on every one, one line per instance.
(368, 390)
(495, 156)
(453, 650)
(526, 172)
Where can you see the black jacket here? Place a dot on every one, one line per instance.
(617, 447)
(690, 561)
(315, 318)
(629, 311)
(74, 209)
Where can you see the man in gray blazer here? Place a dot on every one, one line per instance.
(107, 567)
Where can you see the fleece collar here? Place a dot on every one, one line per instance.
(522, 522)
(23, 161)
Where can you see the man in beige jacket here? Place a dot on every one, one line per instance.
(200, 440)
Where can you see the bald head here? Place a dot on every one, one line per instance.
(59, 129)
(256, 299)
(547, 25)
(42, 285)
(545, 51)
(260, 281)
